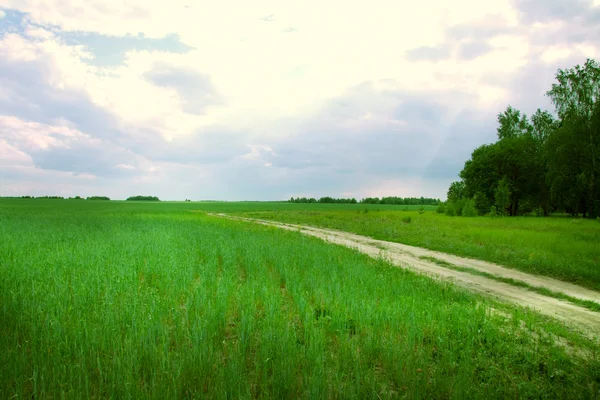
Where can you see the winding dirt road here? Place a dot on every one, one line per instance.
(580, 318)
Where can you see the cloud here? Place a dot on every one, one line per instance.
(429, 53)
(384, 134)
(561, 22)
(170, 100)
(554, 10)
(196, 90)
(268, 18)
(61, 148)
(474, 49)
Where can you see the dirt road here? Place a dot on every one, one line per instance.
(583, 319)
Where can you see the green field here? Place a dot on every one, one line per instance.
(564, 248)
(152, 300)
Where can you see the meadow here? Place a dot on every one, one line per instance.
(561, 247)
(160, 300)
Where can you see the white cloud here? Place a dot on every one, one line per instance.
(38, 33)
(270, 76)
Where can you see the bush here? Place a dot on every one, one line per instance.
(407, 220)
(98, 198)
(441, 208)
(421, 210)
(458, 206)
(493, 212)
(450, 209)
(469, 209)
(482, 203)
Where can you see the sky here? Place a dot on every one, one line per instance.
(267, 100)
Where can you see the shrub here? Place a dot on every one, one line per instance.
(502, 196)
(441, 208)
(493, 212)
(450, 209)
(407, 220)
(421, 210)
(458, 206)
(482, 203)
(469, 209)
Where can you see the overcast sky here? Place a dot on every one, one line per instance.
(264, 100)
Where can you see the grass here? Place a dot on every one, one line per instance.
(152, 301)
(591, 305)
(563, 248)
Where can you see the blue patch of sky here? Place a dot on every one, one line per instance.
(110, 50)
(107, 50)
(13, 22)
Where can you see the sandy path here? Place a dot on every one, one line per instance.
(408, 257)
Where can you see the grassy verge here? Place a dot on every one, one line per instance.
(591, 305)
(562, 248)
(156, 303)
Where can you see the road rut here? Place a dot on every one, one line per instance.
(410, 257)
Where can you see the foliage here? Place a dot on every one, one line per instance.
(493, 212)
(369, 200)
(401, 201)
(407, 219)
(459, 204)
(502, 196)
(98, 198)
(304, 200)
(143, 198)
(441, 209)
(542, 162)
(469, 209)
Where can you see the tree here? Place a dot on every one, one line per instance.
(577, 91)
(456, 191)
(516, 156)
(143, 198)
(511, 124)
(502, 196)
(543, 124)
(469, 209)
(542, 162)
(573, 149)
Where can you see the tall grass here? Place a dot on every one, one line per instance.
(564, 248)
(108, 300)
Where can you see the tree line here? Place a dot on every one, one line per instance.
(132, 198)
(58, 197)
(143, 198)
(542, 164)
(369, 200)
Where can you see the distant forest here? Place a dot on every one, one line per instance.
(542, 164)
(370, 200)
(58, 197)
(143, 198)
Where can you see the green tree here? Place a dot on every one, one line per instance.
(573, 148)
(469, 209)
(512, 123)
(456, 191)
(502, 196)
